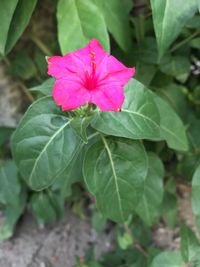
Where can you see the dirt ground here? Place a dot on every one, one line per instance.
(56, 246)
(59, 245)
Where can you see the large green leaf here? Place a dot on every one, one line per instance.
(139, 118)
(144, 115)
(117, 20)
(20, 21)
(169, 17)
(70, 175)
(6, 13)
(148, 207)
(114, 171)
(78, 22)
(172, 128)
(168, 259)
(15, 15)
(44, 144)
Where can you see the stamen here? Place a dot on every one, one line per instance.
(92, 55)
(94, 65)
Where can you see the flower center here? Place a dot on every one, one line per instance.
(90, 77)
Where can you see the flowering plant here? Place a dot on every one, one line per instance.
(50, 140)
(111, 140)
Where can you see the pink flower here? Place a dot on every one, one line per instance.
(89, 75)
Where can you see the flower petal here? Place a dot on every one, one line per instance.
(78, 62)
(89, 74)
(69, 95)
(108, 98)
(113, 71)
(93, 47)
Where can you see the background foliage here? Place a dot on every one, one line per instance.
(156, 134)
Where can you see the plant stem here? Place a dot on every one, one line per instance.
(185, 41)
(89, 107)
(136, 243)
(21, 84)
(42, 46)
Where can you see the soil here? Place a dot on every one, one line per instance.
(59, 245)
(10, 99)
(56, 246)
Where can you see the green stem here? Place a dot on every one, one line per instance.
(185, 41)
(89, 107)
(136, 243)
(42, 46)
(21, 84)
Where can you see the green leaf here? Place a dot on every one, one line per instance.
(174, 95)
(167, 259)
(128, 5)
(5, 133)
(21, 18)
(12, 13)
(177, 66)
(98, 222)
(188, 165)
(169, 17)
(70, 175)
(194, 22)
(124, 240)
(114, 171)
(6, 13)
(42, 208)
(78, 22)
(45, 88)
(196, 192)
(149, 204)
(144, 115)
(198, 4)
(195, 43)
(11, 214)
(9, 184)
(44, 144)
(40, 61)
(172, 128)
(117, 20)
(190, 246)
(148, 52)
(193, 131)
(80, 126)
(170, 209)
(145, 73)
(23, 66)
(139, 118)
